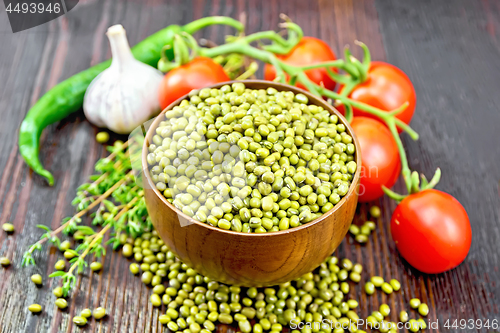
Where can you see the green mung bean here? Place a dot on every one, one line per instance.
(61, 303)
(35, 308)
(377, 315)
(384, 326)
(134, 268)
(423, 309)
(352, 303)
(386, 287)
(395, 284)
(414, 325)
(344, 287)
(361, 239)
(102, 137)
(403, 316)
(159, 289)
(422, 323)
(257, 328)
(172, 326)
(355, 277)
(96, 266)
(375, 211)
(371, 225)
(347, 264)
(65, 245)
(352, 315)
(245, 326)
(342, 275)
(415, 303)
(37, 279)
(365, 230)
(8, 228)
(371, 320)
(369, 288)
(86, 313)
(4, 261)
(99, 313)
(343, 307)
(164, 319)
(275, 147)
(385, 310)
(127, 250)
(58, 292)
(377, 281)
(60, 265)
(80, 321)
(225, 318)
(357, 268)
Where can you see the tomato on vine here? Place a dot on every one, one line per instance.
(308, 51)
(387, 88)
(379, 157)
(431, 230)
(198, 73)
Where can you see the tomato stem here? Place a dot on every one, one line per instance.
(181, 50)
(252, 68)
(415, 182)
(363, 74)
(280, 45)
(434, 181)
(199, 24)
(342, 79)
(271, 35)
(191, 42)
(366, 55)
(405, 170)
(393, 195)
(327, 64)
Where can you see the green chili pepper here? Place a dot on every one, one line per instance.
(67, 96)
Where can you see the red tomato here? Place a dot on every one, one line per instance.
(198, 73)
(386, 88)
(308, 51)
(432, 231)
(380, 163)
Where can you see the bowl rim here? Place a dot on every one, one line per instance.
(281, 87)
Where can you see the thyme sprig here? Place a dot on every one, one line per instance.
(119, 210)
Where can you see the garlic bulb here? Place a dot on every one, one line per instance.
(125, 95)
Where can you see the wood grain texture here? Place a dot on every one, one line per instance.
(450, 50)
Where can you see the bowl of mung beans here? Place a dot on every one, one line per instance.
(252, 183)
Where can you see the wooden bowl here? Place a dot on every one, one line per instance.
(251, 259)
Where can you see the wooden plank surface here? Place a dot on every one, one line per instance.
(450, 50)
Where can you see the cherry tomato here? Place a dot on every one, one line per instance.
(432, 231)
(198, 73)
(380, 163)
(308, 51)
(386, 88)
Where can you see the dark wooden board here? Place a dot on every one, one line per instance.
(450, 50)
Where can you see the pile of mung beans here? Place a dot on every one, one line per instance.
(251, 160)
(193, 303)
